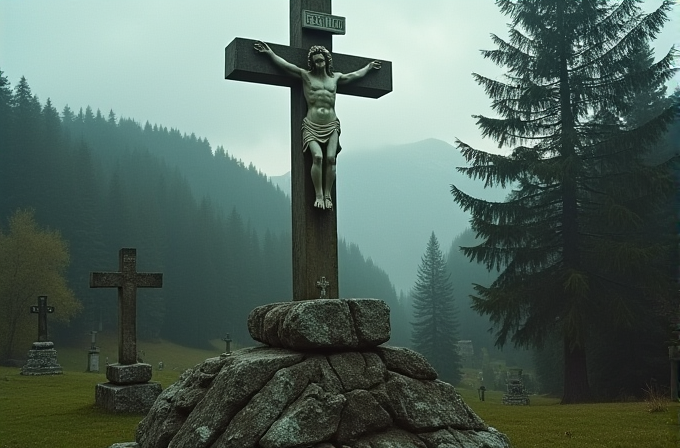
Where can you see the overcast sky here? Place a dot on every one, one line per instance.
(163, 62)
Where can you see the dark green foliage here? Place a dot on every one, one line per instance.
(584, 238)
(217, 230)
(435, 325)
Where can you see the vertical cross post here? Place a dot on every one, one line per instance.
(315, 233)
(42, 310)
(315, 242)
(127, 280)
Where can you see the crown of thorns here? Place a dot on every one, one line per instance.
(320, 49)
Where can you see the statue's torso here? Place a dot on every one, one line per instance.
(320, 92)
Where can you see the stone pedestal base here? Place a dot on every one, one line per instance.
(128, 373)
(131, 398)
(93, 360)
(42, 360)
(336, 324)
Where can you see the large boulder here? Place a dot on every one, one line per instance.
(267, 397)
(337, 388)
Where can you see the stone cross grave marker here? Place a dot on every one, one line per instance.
(315, 239)
(227, 341)
(127, 280)
(42, 310)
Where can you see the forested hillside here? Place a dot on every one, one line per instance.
(217, 230)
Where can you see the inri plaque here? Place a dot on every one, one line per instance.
(321, 21)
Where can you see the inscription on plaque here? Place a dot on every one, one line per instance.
(320, 21)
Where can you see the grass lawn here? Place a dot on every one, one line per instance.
(547, 424)
(59, 412)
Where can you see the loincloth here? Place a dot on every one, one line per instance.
(312, 132)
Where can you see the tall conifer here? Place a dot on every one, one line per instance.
(573, 240)
(435, 325)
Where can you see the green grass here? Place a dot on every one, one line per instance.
(59, 412)
(546, 423)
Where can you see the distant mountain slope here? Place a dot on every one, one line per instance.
(390, 199)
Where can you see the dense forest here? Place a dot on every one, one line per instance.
(218, 230)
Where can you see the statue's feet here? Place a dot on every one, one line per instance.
(320, 203)
(328, 203)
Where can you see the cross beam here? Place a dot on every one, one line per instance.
(315, 236)
(42, 310)
(127, 280)
(240, 65)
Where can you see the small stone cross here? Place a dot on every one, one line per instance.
(127, 280)
(93, 342)
(227, 340)
(322, 285)
(42, 310)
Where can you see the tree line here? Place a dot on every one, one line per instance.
(219, 231)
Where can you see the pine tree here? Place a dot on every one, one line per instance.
(435, 326)
(574, 239)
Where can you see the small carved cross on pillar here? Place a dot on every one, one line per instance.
(127, 280)
(315, 237)
(42, 310)
(322, 285)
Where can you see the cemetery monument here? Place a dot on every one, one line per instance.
(93, 354)
(129, 388)
(42, 358)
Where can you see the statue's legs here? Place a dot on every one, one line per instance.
(331, 152)
(317, 173)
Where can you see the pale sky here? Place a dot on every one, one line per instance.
(163, 62)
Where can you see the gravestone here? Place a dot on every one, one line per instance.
(227, 341)
(129, 388)
(322, 377)
(42, 358)
(93, 354)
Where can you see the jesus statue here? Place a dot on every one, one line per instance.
(320, 127)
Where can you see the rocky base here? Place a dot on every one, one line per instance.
(324, 381)
(277, 398)
(42, 360)
(130, 398)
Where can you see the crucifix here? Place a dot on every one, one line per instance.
(322, 285)
(127, 280)
(42, 310)
(315, 238)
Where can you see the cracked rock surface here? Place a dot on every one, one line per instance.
(277, 398)
(354, 395)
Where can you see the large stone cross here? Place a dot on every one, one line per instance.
(127, 280)
(315, 236)
(42, 310)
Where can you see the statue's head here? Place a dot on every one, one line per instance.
(318, 49)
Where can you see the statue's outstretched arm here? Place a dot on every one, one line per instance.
(353, 76)
(289, 68)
